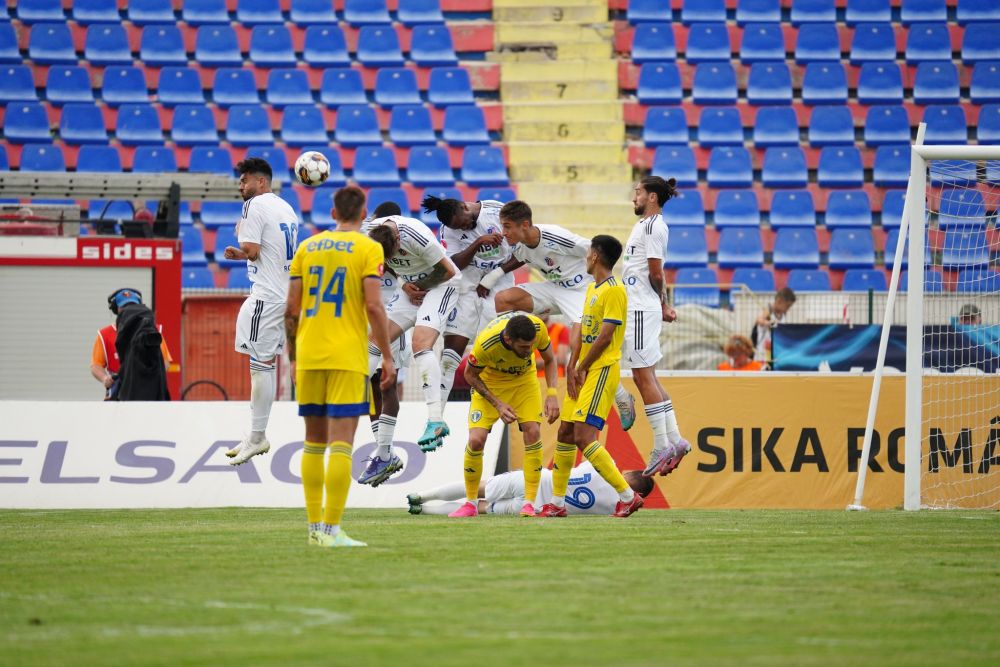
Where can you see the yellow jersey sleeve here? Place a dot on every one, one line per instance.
(615, 304)
(296, 269)
(542, 341)
(374, 262)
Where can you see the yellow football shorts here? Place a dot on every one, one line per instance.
(596, 397)
(332, 393)
(525, 397)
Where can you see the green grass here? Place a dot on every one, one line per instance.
(241, 587)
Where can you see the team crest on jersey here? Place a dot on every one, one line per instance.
(550, 262)
(475, 416)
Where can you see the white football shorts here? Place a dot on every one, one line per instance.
(260, 329)
(641, 347)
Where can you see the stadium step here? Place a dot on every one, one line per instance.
(563, 112)
(535, 52)
(565, 71)
(611, 218)
(547, 32)
(576, 194)
(557, 131)
(585, 13)
(594, 152)
(554, 172)
(570, 91)
(507, 4)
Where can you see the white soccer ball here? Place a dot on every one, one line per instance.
(312, 168)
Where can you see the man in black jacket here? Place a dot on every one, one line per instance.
(143, 375)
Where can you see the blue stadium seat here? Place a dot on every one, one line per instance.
(840, 167)
(936, 83)
(312, 12)
(356, 125)
(271, 46)
(204, 12)
(862, 280)
(928, 41)
(376, 165)
(197, 277)
(258, 12)
(194, 124)
(831, 126)
(892, 166)
(889, 250)
(9, 51)
(923, 11)
(714, 83)
(82, 123)
(193, 257)
(880, 83)
(377, 196)
(817, 42)
(708, 42)
(17, 84)
(824, 83)
(660, 83)
(225, 214)
(769, 83)
(978, 280)
(867, 11)
(933, 281)
(162, 45)
(687, 208)
(956, 172)
(98, 158)
(484, 165)
(86, 12)
(138, 124)
(805, 12)
(48, 44)
(808, 280)
(848, 208)
(496, 194)
(784, 167)
(324, 46)
(640, 11)
(107, 44)
(686, 246)
(144, 12)
(42, 157)
(796, 248)
(366, 12)
(873, 42)
(693, 11)
(378, 46)
(737, 208)
(653, 42)
(851, 249)
(730, 167)
(449, 85)
(971, 11)
(179, 85)
(887, 125)
(980, 43)
(429, 166)
(946, 124)
(961, 207)
(34, 11)
(758, 11)
(278, 159)
(988, 125)
(341, 86)
(227, 237)
(717, 126)
(234, 85)
(792, 208)
(665, 125)
(396, 85)
(892, 208)
(755, 280)
(154, 160)
(464, 125)
(676, 162)
(415, 12)
(689, 290)
(25, 122)
(288, 86)
(762, 42)
(432, 46)
(303, 124)
(450, 193)
(776, 126)
(410, 125)
(4, 164)
(124, 85)
(291, 196)
(248, 124)
(216, 46)
(965, 247)
(740, 246)
(322, 207)
(212, 159)
(985, 84)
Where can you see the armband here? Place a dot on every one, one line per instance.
(551, 391)
(491, 278)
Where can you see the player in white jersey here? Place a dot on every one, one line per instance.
(647, 310)
(587, 493)
(429, 283)
(267, 233)
(472, 237)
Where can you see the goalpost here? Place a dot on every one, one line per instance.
(949, 237)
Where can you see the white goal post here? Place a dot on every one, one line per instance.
(948, 243)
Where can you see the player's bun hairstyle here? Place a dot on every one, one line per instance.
(520, 327)
(516, 211)
(385, 209)
(349, 204)
(123, 296)
(786, 294)
(739, 343)
(385, 238)
(255, 165)
(608, 248)
(664, 189)
(446, 209)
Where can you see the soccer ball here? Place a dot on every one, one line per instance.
(312, 168)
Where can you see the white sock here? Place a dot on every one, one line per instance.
(449, 363)
(441, 508)
(331, 530)
(315, 527)
(430, 375)
(386, 431)
(621, 395)
(627, 496)
(473, 501)
(656, 414)
(558, 501)
(375, 430)
(374, 358)
(673, 433)
(261, 398)
(455, 491)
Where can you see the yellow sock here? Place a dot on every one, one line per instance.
(312, 479)
(338, 482)
(473, 472)
(562, 466)
(532, 470)
(605, 465)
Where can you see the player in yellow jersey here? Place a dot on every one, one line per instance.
(591, 381)
(501, 372)
(333, 295)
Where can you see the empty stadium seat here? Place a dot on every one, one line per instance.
(494, 193)
(961, 207)
(792, 208)
(33, 11)
(227, 237)
(984, 86)
(366, 12)
(484, 165)
(862, 280)
(288, 86)
(714, 83)
(324, 46)
(889, 250)
(356, 125)
(851, 249)
(946, 124)
(377, 196)
(248, 124)
(660, 83)
(464, 125)
(686, 208)
(686, 246)
(291, 197)
(312, 12)
(718, 126)
(665, 125)
(179, 85)
(48, 44)
(98, 158)
(415, 12)
(805, 12)
(653, 42)
(376, 165)
(988, 125)
(784, 167)
(429, 166)
(196, 277)
(848, 208)
(762, 42)
(82, 123)
(978, 280)
(303, 124)
(886, 125)
(138, 124)
(873, 42)
(396, 85)
(212, 159)
(193, 255)
(107, 44)
(769, 83)
(154, 160)
(409, 125)
(277, 158)
(693, 11)
(449, 85)
(647, 10)
(958, 172)
(17, 84)
(708, 42)
(226, 214)
(936, 82)
(796, 247)
(9, 51)
(880, 83)
(257, 12)
(840, 166)
(162, 45)
(378, 46)
(216, 46)
(42, 157)
(688, 287)
(25, 122)
(193, 124)
(867, 11)
(322, 207)
(892, 166)
(676, 162)
(824, 83)
(776, 126)
(234, 86)
(965, 247)
(740, 246)
(817, 42)
(202, 12)
(923, 11)
(730, 167)
(892, 208)
(808, 280)
(143, 12)
(831, 126)
(124, 85)
(271, 46)
(928, 41)
(971, 11)
(980, 42)
(737, 208)
(432, 46)
(752, 279)
(342, 86)
(933, 281)
(750, 11)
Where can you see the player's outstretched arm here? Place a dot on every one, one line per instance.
(293, 307)
(552, 382)
(575, 341)
(379, 323)
(491, 278)
(441, 272)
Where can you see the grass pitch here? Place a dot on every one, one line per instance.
(241, 587)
